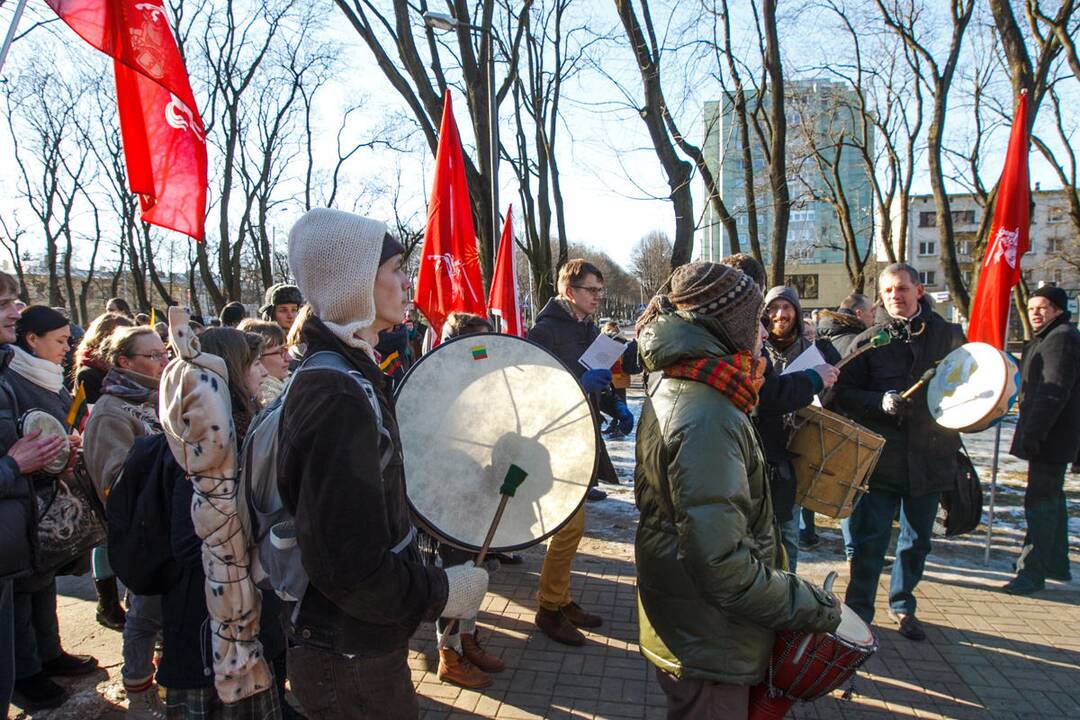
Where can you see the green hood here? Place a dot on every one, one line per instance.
(681, 336)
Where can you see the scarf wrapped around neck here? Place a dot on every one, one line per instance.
(739, 377)
(125, 386)
(43, 373)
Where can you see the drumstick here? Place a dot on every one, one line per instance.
(879, 339)
(514, 477)
(926, 377)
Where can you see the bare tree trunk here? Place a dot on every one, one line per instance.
(778, 142)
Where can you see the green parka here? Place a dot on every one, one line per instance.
(709, 592)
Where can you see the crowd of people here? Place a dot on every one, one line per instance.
(719, 534)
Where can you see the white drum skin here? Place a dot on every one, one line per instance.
(467, 411)
(975, 385)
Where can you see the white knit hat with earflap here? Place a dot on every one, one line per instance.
(334, 256)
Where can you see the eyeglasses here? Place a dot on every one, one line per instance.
(594, 291)
(157, 357)
(283, 351)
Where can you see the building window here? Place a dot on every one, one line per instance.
(1055, 215)
(927, 247)
(1058, 276)
(928, 277)
(927, 219)
(966, 275)
(806, 285)
(1055, 245)
(963, 217)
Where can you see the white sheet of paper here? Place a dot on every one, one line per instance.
(811, 357)
(602, 353)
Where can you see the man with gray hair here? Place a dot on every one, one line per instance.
(918, 462)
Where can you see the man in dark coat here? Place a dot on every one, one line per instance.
(918, 461)
(1048, 437)
(565, 327)
(836, 330)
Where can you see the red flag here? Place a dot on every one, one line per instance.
(164, 138)
(503, 296)
(1008, 240)
(449, 277)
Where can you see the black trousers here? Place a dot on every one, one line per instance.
(330, 686)
(1046, 542)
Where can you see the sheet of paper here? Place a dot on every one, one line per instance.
(811, 357)
(602, 353)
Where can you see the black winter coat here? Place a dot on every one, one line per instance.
(566, 337)
(1049, 426)
(919, 457)
(16, 508)
(363, 599)
(836, 331)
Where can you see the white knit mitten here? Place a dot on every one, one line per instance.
(468, 585)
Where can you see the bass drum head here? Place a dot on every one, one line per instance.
(968, 385)
(33, 420)
(853, 630)
(468, 410)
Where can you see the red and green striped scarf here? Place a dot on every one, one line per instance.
(738, 376)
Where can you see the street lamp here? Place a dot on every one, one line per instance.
(448, 23)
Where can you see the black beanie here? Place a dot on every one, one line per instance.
(390, 248)
(1055, 295)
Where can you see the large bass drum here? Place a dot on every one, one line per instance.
(468, 410)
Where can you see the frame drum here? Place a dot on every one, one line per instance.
(36, 419)
(974, 386)
(468, 410)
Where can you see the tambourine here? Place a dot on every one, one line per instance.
(33, 420)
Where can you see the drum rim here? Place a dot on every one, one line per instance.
(979, 424)
(65, 451)
(440, 535)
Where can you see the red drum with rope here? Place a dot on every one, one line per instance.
(807, 666)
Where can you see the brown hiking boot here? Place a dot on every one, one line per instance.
(453, 668)
(555, 625)
(478, 656)
(574, 613)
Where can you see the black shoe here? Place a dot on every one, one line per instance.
(808, 541)
(1023, 585)
(38, 692)
(595, 495)
(910, 627)
(1060, 577)
(68, 665)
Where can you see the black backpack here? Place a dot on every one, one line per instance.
(963, 506)
(138, 511)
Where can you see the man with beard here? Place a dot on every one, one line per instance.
(779, 396)
(1048, 437)
(918, 461)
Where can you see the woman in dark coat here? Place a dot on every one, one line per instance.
(37, 378)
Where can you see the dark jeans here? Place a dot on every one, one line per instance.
(1046, 542)
(7, 645)
(700, 700)
(37, 629)
(871, 528)
(331, 686)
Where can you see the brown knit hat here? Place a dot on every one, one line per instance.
(715, 291)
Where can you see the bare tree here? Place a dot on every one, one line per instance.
(908, 21)
(11, 239)
(650, 261)
(421, 76)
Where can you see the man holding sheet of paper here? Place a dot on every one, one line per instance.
(566, 328)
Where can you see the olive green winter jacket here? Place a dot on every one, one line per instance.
(709, 591)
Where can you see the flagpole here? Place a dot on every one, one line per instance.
(997, 450)
(11, 32)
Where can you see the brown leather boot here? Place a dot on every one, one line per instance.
(478, 656)
(555, 625)
(453, 668)
(574, 613)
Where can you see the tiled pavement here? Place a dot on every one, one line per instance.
(987, 654)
